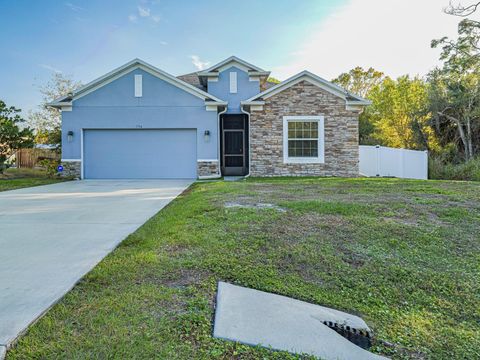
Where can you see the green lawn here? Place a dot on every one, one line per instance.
(20, 178)
(402, 254)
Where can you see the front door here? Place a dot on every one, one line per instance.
(233, 152)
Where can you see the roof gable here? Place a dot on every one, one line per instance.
(233, 61)
(125, 69)
(211, 74)
(155, 92)
(313, 79)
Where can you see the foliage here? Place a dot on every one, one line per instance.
(440, 113)
(47, 120)
(469, 170)
(455, 103)
(455, 90)
(12, 135)
(361, 82)
(273, 80)
(402, 254)
(400, 114)
(464, 53)
(50, 166)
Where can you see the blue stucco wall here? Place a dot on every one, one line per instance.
(245, 88)
(162, 105)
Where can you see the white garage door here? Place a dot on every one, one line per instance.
(140, 154)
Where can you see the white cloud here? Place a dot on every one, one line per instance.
(163, 43)
(143, 11)
(199, 64)
(392, 36)
(132, 18)
(73, 7)
(49, 67)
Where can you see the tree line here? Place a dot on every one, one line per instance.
(439, 112)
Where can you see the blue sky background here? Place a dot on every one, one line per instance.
(89, 38)
(86, 39)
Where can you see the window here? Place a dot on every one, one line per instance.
(233, 82)
(303, 139)
(138, 85)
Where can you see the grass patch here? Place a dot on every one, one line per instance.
(13, 179)
(402, 254)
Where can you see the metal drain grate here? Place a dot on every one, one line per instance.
(359, 337)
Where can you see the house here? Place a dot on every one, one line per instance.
(140, 122)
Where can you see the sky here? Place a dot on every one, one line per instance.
(86, 39)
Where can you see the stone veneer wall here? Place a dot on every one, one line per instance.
(207, 168)
(71, 169)
(304, 98)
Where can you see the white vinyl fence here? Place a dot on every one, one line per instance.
(386, 161)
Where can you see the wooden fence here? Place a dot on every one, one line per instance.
(30, 158)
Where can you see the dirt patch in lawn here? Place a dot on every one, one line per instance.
(175, 279)
(257, 206)
(185, 277)
(292, 228)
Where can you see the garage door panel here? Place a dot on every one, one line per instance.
(139, 154)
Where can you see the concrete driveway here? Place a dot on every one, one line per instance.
(50, 236)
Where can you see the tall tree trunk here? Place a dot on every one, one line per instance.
(423, 136)
(469, 139)
(461, 132)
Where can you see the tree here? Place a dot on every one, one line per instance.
(455, 92)
(461, 10)
(455, 101)
(400, 114)
(463, 53)
(46, 120)
(360, 82)
(271, 79)
(12, 137)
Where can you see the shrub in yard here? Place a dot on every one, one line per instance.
(438, 169)
(50, 166)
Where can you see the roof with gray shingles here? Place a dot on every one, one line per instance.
(192, 79)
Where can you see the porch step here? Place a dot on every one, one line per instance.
(233, 178)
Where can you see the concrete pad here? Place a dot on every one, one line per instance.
(51, 236)
(258, 318)
(233, 178)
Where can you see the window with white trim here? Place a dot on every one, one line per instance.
(303, 139)
(138, 86)
(233, 82)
